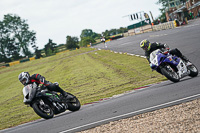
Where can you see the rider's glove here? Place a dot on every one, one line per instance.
(166, 46)
(151, 65)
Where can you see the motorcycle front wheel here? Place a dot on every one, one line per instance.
(170, 73)
(43, 109)
(193, 70)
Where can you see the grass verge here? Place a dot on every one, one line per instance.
(87, 73)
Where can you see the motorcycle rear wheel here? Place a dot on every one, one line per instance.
(73, 104)
(170, 74)
(45, 111)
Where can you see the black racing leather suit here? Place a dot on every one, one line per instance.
(157, 45)
(38, 79)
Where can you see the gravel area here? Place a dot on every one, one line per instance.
(182, 118)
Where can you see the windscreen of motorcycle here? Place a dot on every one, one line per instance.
(153, 57)
(27, 91)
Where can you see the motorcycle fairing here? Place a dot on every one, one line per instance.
(182, 69)
(156, 58)
(51, 96)
(29, 93)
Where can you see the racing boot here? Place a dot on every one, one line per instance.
(184, 58)
(67, 96)
(188, 63)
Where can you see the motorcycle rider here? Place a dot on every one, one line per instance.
(150, 47)
(25, 79)
(104, 41)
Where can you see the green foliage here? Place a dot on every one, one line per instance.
(111, 32)
(72, 42)
(4, 41)
(165, 4)
(50, 48)
(89, 33)
(20, 32)
(165, 7)
(88, 36)
(86, 41)
(38, 54)
(15, 35)
(48, 52)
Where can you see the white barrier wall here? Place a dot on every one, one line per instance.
(148, 28)
(164, 26)
(140, 30)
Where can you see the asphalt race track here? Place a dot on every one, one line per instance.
(149, 98)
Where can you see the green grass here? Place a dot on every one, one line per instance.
(90, 75)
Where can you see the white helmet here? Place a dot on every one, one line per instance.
(24, 77)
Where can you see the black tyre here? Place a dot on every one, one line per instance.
(193, 70)
(73, 104)
(43, 109)
(170, 73)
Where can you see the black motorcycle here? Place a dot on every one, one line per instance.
(47, 103)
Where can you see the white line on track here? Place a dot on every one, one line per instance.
(153, 107)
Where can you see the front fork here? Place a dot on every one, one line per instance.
(60, 106)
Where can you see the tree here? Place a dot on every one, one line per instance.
(3, 57)
(50, 48)
(17, 30)
(165, 7)
(12, 49)
(89, 33)
(165, 3)
(72, 42)
(111, 32)
(87, 36)
(8, 47)
(86, 41)
(106, 34)
(15, 37)
(122, 30)
(48, 52)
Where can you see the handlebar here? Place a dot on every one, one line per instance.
(165, 51)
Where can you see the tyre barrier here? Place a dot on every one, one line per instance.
(28, 59)
(17, 62)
